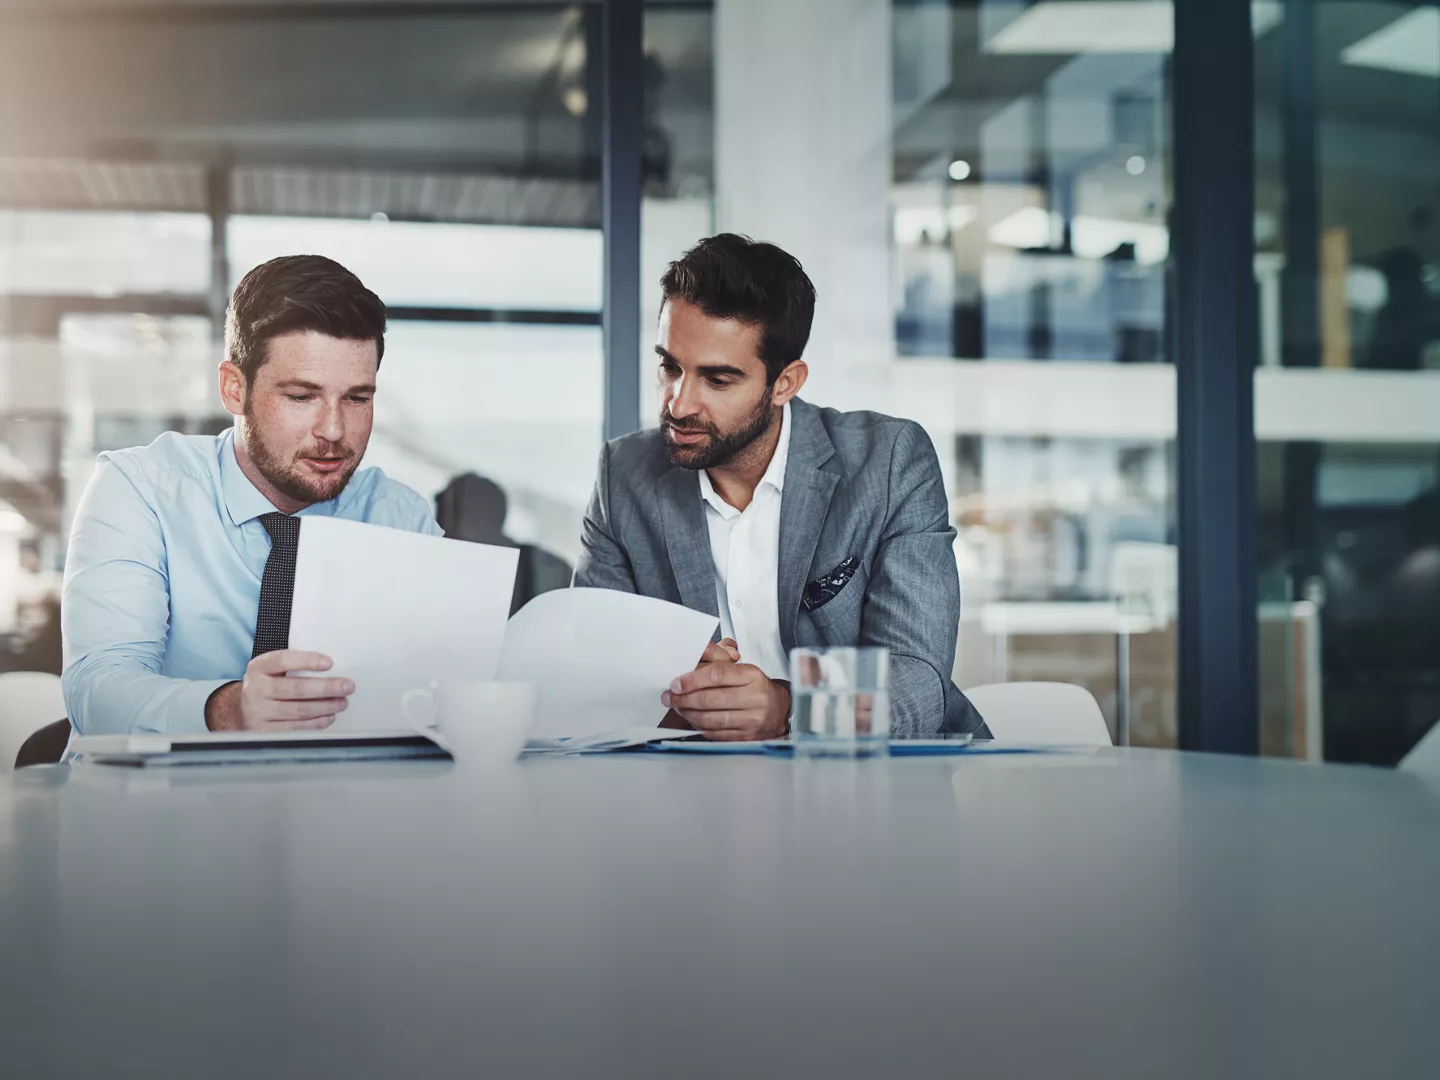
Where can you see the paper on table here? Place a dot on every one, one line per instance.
(395, 610)
(625, 739)
(600, 659)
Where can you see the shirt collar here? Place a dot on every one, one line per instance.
(243, 500)
(774, 472)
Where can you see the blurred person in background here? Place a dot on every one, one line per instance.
(474, 508)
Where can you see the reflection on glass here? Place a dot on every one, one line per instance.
(1348, 239)
(1028, 216)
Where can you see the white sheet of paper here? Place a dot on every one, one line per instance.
(604, 743)
(601, 659)
(395, 610)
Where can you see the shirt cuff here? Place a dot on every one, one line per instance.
(186, 714)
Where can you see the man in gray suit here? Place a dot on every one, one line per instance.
(795, 525)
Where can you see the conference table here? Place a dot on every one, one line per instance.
(1115, 913)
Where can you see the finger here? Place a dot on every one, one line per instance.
(721, 652)
(304, 688)
(724, 697)
(283, 660)
(319, 723)
(731, 735)
(305, 710)
(713, 720)
(712, 675)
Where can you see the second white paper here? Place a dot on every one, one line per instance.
(600, 659)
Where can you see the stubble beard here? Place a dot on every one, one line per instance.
(286, 477)
(722, 448)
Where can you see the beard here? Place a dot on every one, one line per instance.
(286, 477)
(722, 447)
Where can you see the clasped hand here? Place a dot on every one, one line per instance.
(728, 701)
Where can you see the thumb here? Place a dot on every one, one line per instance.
(720, 653)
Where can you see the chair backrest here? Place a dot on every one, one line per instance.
(1424, 759)
(28, 701)
(1041, 712)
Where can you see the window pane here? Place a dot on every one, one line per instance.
(124, 253)
(424, 264)
(1349, 466)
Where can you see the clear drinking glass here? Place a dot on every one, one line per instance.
(840, 701)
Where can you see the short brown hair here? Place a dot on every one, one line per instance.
(299, 292)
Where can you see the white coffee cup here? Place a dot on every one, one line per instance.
(478, 721)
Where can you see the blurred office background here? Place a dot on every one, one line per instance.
(981, 189)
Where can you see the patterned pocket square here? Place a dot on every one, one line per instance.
(824, 589)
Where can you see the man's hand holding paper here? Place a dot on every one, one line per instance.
(269, 698)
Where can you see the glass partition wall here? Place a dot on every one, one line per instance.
(1347, 409)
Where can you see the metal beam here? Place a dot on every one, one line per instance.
(622, 35)
(1300, 279)
(1216, 346)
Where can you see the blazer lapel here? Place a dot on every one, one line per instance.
(687, 539)
(808, 490)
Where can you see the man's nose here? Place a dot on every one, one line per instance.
(682, 402)
(331, 424)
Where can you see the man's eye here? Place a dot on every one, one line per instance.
(360, 399)
(719, 384)
(298, 397)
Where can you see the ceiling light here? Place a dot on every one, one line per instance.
(1052, 28)
(1135, 166)
(1409, 45)
(959, 170)
(577, 102)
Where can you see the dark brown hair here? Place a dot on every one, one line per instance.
(299, 292)
(733, 277)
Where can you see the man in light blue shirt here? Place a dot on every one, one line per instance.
(178, 581)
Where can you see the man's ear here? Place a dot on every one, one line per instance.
(789, 383)
(232, 388)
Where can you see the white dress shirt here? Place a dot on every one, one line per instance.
(746, 549)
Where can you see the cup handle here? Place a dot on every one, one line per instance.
(413, 697)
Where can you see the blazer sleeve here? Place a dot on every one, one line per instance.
(912, 603)
(603, 563)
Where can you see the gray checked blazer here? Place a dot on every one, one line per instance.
(858, 486)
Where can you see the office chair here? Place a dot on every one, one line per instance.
(1041, 713)
(29, 700)
(46, 746)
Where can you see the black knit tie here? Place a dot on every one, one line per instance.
(277, 587)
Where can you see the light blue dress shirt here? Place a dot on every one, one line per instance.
(162, 580)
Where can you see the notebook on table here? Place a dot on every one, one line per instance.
(257, 748)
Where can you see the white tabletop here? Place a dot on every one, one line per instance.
(1126, 914)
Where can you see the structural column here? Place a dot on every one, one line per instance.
(802, 145)
(1216, 345)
